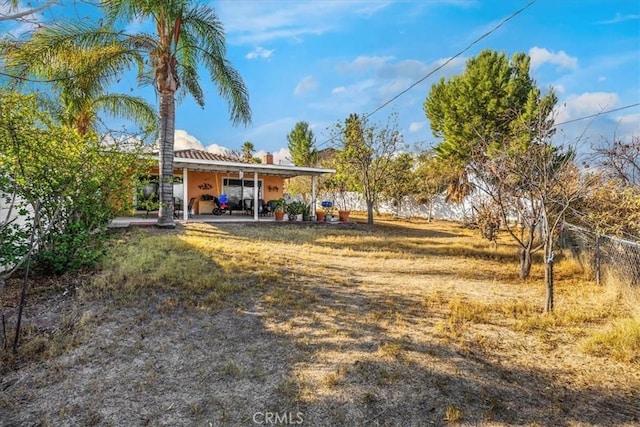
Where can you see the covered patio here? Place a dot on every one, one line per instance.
(246, 184)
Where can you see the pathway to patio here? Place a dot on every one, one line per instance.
(141, 220)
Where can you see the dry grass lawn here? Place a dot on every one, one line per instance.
(406, 324)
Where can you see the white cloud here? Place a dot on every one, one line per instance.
(307, 84)
(416, 126)
(393, 87)
(282, 157)
(259, 52)
(621, 18)
(393, 77)
(630, 119)
(365, 63)
(218, 149)
(540, 56)
(454, 65)
(602, 78)
(260, 21)
(356, 88)
(559, 89)
(184, 141)
(586, 104)
(339, 89)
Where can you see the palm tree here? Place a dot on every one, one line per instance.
(80, 77)
(247, 151)
(187, 34)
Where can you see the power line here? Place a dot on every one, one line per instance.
(590, 116)
(444, 64)
(597, 114)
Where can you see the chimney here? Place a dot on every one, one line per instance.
(268, 159)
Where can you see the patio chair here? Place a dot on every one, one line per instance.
(247, 206)
(192, 201)
(270, 207)
(177, 207)
(263, 209)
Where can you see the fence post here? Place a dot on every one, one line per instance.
(597, 259)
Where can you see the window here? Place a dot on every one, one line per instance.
(239, 189)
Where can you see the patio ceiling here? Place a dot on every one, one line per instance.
(262, 169)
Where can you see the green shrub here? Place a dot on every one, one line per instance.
(72, 249)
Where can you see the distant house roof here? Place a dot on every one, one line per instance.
(206, 161)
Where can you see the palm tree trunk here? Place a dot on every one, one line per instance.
(166, 139)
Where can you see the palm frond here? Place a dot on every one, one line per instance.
(135, 108)
(231, 88)
(203, 34)
(191, 84)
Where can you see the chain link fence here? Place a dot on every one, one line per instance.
(605, 257)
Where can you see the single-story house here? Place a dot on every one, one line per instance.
(206, 173)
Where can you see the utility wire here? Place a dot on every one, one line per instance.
(597, 114)
(444, 64)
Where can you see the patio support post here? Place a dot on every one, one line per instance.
(313, 195)
(255, 196)
(185, 195)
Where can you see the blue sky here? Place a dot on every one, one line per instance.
(320, 60)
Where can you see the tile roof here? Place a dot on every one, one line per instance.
(205, 155)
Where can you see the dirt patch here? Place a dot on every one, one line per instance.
(327, 329)
(144, 366)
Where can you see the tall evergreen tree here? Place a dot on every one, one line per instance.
(494, 104)
(302, 145)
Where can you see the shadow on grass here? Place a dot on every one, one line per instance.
(381, 239)
(167, 336)
(222, 342)
(372, 356)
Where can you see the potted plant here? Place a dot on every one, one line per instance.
(306, 213)
(295, 211)
(278, 209)
(328, 211)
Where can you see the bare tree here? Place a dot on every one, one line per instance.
(365, 155)
(533, 189)
(613, 205)
(16, 15)
(621, 160)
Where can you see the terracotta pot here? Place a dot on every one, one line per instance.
(279, 215)
(343, 216)
(320, 216)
